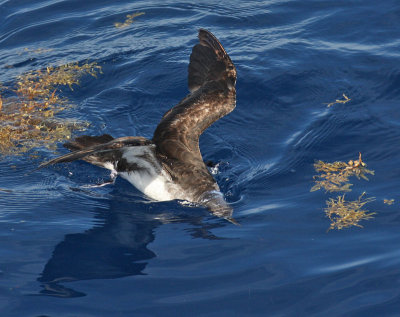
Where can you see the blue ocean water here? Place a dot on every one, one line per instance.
(70, 251)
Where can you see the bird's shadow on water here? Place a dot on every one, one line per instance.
(118, 245)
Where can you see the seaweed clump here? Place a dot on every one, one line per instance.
(36, 50)
(334, 177)
(27, 115)
(344, 214)
(128, 21)
(346, 99)
(388, 201)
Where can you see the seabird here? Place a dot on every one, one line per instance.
(170, 165)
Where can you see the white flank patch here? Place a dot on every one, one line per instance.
(157, 187)
(109, 166)
(150, 178)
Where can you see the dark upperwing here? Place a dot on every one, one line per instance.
(86, 147)
(212, 79)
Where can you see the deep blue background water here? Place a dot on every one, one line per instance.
(69, 251)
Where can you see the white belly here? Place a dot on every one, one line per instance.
(149, 177)
(157, 187)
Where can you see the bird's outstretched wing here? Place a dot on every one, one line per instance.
(212, 79)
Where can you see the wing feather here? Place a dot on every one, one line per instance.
(211, 80)
(86, 151)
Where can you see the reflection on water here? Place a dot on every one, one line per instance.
(115, 249)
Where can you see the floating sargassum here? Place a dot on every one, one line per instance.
(27, 115)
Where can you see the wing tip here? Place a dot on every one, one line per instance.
(208, 39)
(210, 61)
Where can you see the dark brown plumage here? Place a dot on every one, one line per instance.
(175, 143)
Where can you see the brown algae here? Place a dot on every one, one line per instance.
(35, 50)
(344, 214)
(128, 21)
(334, 177)
(27, 115)
(388, 201)
(346, 99)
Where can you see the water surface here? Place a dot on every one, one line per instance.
(66, 250)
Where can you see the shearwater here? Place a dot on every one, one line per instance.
(170, 166)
